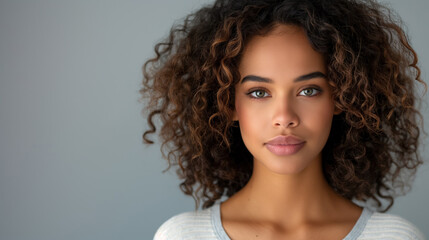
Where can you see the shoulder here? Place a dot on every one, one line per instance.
(390, 226)
(189, 225)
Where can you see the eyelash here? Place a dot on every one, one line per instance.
(256, 90)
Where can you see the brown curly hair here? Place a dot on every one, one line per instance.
(372, 150)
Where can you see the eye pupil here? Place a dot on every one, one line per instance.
(308, 91)
(259, 93)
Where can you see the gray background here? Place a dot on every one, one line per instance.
(72, 162)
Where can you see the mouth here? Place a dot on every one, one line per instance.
(284, 149)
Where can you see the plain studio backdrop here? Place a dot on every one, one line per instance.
(72, 161)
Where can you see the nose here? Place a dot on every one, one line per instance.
(285, 115)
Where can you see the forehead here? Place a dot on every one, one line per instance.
(284, 50)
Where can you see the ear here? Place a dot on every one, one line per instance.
(234, 115)
(337, 111)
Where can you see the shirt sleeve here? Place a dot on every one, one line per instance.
(389, 226)
(169, 230)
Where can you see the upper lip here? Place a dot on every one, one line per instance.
(285, 140)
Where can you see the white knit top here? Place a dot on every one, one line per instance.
(206, 224)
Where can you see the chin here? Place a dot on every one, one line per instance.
(286, 167)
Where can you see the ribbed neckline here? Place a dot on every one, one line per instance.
(353, 234)
(359, 226)
(217, 223)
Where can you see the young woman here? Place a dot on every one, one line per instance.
(301, 112)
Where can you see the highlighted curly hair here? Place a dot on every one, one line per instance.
(372, 150)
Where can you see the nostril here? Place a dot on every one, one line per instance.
(286, 125)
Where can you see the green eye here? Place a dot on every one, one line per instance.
(310, 91)
(258, 94)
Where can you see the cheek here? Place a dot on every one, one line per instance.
(319, 119)
(245, 116)
(250, 119)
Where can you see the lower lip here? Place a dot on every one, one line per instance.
(283, 150)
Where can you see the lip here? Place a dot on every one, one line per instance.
(285, 145)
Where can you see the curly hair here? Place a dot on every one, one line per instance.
(372, 150)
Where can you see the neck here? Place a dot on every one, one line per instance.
(291, 199)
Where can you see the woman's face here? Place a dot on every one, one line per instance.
(283, 92)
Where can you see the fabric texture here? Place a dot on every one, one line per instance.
(206, 224)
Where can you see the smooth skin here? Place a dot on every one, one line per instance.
(285, 93)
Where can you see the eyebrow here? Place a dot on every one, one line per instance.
(298, 79)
